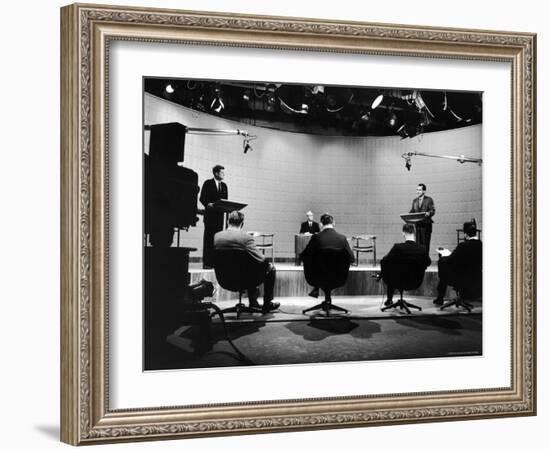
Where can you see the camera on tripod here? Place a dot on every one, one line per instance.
(171, 189)
(170, 204)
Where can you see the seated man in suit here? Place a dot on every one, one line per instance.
(309, 226)
(406, 253)
(463, 266)
(235, 238)
(328, 238)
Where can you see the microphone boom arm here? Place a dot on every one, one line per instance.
(462, 159)
(219, 132)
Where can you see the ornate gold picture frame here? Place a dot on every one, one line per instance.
(87, 32)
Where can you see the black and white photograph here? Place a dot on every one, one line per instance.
(275, 224)
(306, 223)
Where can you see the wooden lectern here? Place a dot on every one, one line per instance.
(228, 206)
(413, 218)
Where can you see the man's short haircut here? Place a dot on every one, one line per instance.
(235, 218)
(217, 168)
(408, 228)
(309, 212)
(327, 219)
(423, 186)
(469, 229)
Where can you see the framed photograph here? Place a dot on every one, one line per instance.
(278, 224)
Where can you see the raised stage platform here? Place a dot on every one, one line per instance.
(291, 282)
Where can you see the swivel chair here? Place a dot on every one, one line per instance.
(403, 276)
(467, 286)
(327, 269)
(238, 271)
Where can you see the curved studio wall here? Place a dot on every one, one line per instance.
(362, 181)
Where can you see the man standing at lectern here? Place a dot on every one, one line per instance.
(212, 190)
(423, 203)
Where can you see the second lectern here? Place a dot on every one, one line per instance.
(422, 225)
(413, 218)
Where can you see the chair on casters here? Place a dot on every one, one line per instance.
(403, 276)
(238, 271)
(458, 302)
(469, 287)
(327, 270)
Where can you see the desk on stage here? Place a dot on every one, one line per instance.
(300, 243)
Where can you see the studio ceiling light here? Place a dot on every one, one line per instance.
(332, 109)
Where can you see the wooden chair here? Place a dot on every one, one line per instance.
(365, 243)
(264, 242)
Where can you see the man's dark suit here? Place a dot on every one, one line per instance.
(213, 218)
(311, 227)
(461, 269)
(424, 228)
(328, 238)
(240, 240)
(407, 254)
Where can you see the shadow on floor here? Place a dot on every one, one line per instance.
(448, 326)
(318, 329)
(290, 337)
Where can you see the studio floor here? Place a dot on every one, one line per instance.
(290, 337)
